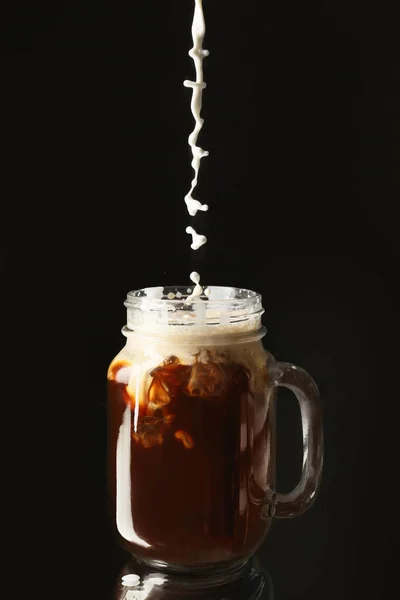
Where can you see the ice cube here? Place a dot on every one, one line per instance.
(185, 438)
(149, 432)
(206, 379)
(151, 438)
(158, 395)
(171, 374)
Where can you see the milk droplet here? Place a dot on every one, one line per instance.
(197, 239)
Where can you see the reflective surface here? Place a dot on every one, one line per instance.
(251, 582)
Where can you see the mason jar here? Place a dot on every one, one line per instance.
(191, 430)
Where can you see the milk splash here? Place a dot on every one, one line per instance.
(197, 53)
(198, 290)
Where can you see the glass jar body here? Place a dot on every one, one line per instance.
(191, 448)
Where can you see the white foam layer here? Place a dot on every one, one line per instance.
(221, 327)
(203, 319)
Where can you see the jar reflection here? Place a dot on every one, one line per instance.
(253, 582)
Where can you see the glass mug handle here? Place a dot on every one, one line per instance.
(305, 389)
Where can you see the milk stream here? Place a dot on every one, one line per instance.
(124, 517)
(123, 479)
(197, 53)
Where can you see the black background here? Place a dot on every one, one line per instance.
(302, 125)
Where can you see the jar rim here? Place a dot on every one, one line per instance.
(222, 308)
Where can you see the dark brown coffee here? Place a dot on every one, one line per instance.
(201, 460)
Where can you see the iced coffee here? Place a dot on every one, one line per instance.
(191, 429)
